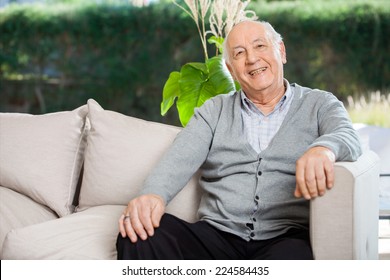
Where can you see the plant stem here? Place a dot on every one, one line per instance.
(201, 31)
(204, 41)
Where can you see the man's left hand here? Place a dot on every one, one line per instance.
(314, 172)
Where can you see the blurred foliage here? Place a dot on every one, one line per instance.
(54, 57)
(340, 46)
(371, 110)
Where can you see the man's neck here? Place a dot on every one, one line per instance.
(266, 101)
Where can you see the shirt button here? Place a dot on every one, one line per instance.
(254, 219)
(257, 197)
(259, 173)
(252, 234)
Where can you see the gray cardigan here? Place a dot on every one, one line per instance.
(245, 193)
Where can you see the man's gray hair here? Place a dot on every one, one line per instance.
(271, 33)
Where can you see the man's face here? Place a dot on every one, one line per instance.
(253, 60)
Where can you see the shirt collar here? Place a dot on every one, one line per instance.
(251, 108)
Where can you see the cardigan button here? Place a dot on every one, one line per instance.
(252, 234)
(249, 225)
(259, 173)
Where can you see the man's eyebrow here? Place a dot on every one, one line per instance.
(238, 47)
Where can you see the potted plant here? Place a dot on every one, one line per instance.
(196, 82)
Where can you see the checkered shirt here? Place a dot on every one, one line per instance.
(260, 129)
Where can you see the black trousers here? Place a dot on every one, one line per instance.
(176, 239)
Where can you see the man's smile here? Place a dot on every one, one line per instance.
(257, 71)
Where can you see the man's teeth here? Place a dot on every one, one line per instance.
(257, 71)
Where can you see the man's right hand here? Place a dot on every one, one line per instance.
(141, 217)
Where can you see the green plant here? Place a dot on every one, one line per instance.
(197, 82)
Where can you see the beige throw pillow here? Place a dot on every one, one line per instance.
(120, 153)
(41, 156)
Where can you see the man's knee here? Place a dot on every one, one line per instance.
(291, 249)
(162, 245)
(123, 247)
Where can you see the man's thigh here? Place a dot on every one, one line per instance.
(178, 239)
(293, 245)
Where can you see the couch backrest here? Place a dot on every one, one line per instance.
(41, 157)
(120, 153)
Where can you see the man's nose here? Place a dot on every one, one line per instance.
(251, 57)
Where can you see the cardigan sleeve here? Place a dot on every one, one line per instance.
(336, 131)
(187, 153)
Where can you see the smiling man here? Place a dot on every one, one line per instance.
(255, 59)
(263, 153)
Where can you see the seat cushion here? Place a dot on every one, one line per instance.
(18, 210)
(120, 153)
(41, 156)
(87, 235)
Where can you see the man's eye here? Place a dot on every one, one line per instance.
(238, 53)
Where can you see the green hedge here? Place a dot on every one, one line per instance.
(56, 57)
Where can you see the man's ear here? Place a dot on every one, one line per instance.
(282, 50)
(229, 67)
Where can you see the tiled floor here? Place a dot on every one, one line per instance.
(384, 239)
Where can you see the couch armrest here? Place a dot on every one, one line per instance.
(344, 222)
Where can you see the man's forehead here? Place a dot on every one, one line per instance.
(244, 26)
(243, 39)
(248, 31)
(241, 44)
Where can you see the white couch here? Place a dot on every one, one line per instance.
(97, 159)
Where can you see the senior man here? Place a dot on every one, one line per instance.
(263, 152)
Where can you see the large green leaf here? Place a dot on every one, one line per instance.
(195, 84)
(199, 66)
(170, 92)
(220, 77)
(192, 85)
(199, 82)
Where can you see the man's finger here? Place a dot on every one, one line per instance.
(329, 172)
(157, 213)
(301, 180)
(320, 178)
(122, 229)
(137, 225)
(146, 219)
(297, 192)
(311, 182)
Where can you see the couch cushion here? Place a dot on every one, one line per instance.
(120, 153)
(41, 156)
(88, 235)
(17, 211)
